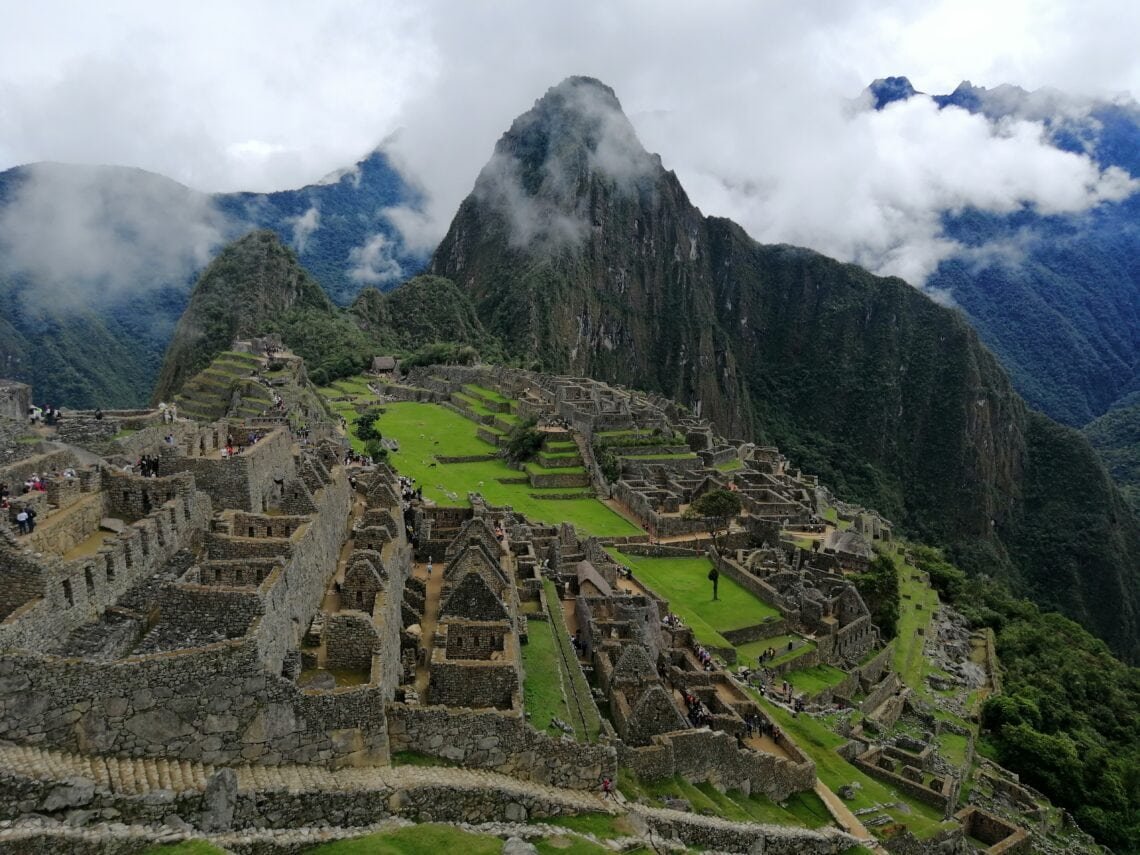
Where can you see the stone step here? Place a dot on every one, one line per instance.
(138, 776)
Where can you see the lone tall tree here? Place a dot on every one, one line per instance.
(717, 508)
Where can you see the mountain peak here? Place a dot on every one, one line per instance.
(574, 145)
(887, 90)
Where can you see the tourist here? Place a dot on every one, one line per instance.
(608, 789)
(22, 521)
(429, 567)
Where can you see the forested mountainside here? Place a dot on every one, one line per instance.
(582, 254)
(1056, 297)
(257, 285)
(97, 263)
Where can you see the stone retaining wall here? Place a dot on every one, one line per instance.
(502, 741)
(714, 756)
(770, 628)
(211, 704)
(422, 801)
(722, 836)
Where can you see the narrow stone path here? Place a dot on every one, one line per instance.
(427, 624)
(847, 820)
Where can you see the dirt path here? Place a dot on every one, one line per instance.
(427, 625)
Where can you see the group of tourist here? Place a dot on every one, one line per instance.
(169, 412)
(409, 492)
(671, 621)
(698, 714)
(147, 466)
(49, 414)
(26, 520)
(755, 725)
(351, 458)
(705, 658)
(770, 654)
(579, 644)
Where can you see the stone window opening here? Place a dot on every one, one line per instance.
(89, 578)
(110, 569)
(251, 534)
(67, 594)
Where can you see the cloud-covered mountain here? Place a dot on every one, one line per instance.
(96, 263)
(1054, 293)
(584, 255)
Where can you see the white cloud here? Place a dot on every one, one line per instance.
(374, 262)
(88, 234)
(304, 226)
(748, 101)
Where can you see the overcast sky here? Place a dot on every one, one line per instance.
(747, 101)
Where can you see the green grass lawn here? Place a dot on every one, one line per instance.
(917, 603)
(560, 446)
(751, 651)
(489, 394)
(539, 469)
(543, 694)
(819, 743)
(815, 679)
(730, 465)
(426, 430)
(186, 847)
(584, 716)
(803, 810)
(426, 839)
(649, 458)
(684, 583)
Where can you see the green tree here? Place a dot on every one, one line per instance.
(717, 508)
(524, 441)
(879, 587)
(365, 425)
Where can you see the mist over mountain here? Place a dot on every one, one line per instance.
(584, 255)
(1056, 295)
(97, 262)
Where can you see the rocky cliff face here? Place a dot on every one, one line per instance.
(584, 255)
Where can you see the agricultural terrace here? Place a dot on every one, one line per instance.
(684, 583)
(425, 431)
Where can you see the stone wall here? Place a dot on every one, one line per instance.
(15, 399)
(719, 835)
(875, 697)
(501, 741)
(714, 756)
(212, 704)
(58, 534)
(944, 797)
(474, 683)
(350, 642)
(245, 481)
(292, 595)
(72, 593)
(131, 497)
(771, 627)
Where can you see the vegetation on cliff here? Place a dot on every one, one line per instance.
(1068, 717)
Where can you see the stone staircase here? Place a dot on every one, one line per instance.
(141, 775)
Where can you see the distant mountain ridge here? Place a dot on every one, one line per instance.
(1060, 304)
(97, 263)
(584, 255)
